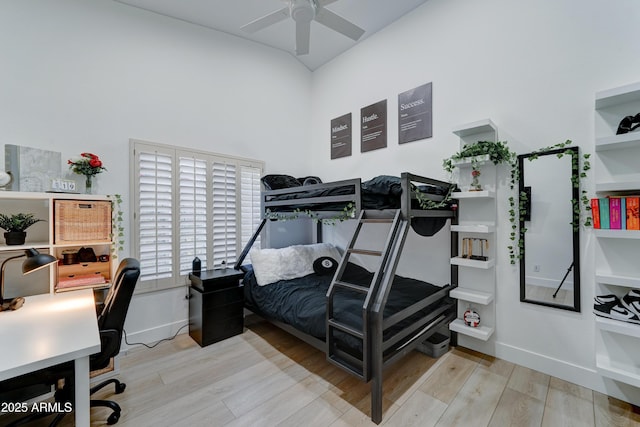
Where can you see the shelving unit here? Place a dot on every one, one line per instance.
(616, 267)
(476, 220)
(42, 237)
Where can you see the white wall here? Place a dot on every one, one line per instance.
(88, 75)
(533, 68)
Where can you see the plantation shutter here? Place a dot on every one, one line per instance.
(224, 210)
(189, 203)
(155, 216)
(249, 204)
(193, 212)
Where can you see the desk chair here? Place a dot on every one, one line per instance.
(110, 324)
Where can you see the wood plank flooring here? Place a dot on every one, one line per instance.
(266, 377)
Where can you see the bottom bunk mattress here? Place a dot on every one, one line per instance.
(301, 302)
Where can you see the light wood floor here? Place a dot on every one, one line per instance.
(266, 377)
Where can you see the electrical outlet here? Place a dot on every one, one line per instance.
(536, 268)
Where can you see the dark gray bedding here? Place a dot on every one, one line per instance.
(301, 302)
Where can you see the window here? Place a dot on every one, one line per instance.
(190, 203)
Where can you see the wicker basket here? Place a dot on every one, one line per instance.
(79, 221)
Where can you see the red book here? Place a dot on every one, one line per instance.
(633, 213)
(595, 213)
(615, 216)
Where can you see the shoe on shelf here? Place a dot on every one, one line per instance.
(631, 301)
(611, 307)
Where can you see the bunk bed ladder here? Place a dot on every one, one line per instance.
(360, 366)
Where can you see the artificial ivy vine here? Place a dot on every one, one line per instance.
(348, 212)
(578, 212)
(117, 229)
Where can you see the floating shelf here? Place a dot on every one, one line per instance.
(618, 186)
(618, 95)
(471, 295)
(616, 234)
(618, 326)
(474, 228)
(481, 126)
(615, 142)
(481, 332)
(485, 194)
(468, 161)
(618, 280)
(625, 373)
(464, 262)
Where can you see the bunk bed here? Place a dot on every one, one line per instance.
(363, 320)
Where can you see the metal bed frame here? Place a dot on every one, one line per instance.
(378, 351)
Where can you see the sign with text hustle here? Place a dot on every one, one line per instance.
(373, 126)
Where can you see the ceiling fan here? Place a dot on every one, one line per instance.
(303, 12)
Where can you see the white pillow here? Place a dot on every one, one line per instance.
(272, 265)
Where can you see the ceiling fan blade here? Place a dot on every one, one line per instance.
(338, 23)
(265, 21)
(323, 3)
(303, 33)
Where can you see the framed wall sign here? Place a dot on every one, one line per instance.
(373, 126)
(341, 133)
(415, 118)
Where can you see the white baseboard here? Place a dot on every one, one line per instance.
(580, 375)
(153, 335)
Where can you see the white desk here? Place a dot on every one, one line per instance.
(50, 329)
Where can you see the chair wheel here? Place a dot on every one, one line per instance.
(120, 388)
(113, 418)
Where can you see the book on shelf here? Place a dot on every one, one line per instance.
(623, 213)
(633, 213)
(614, 213)
(603, 203)
(595, 213)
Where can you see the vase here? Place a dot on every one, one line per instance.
(475, 184)
(88, 185)
(15, 237)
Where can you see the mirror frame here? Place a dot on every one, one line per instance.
(575, 194)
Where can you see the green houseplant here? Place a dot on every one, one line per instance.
(15, 226)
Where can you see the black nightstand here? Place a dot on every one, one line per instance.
(216, 305)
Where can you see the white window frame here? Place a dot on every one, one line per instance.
(249, 195)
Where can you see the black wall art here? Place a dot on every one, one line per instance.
(373, 126)
(341, 131)
(415, 114)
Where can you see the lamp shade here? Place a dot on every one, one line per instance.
(35, 261)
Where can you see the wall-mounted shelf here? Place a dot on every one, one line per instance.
(617, 186)
(616, 234)
(481, 332)
(471, 295)
(469, 161)
(474, 228)
(485, 194)
(616, 96)
(481, 126)
(618, 142)
(617, 280)
(618, 326)
(473, 263)
(618, 371)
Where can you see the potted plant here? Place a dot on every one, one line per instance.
(15, 226)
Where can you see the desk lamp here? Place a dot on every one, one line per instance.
(35, 261)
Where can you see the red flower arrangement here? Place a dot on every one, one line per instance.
(87, 164)
(475, 172)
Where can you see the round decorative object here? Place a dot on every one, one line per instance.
(472, 318)
(5, 179)
(325, 266)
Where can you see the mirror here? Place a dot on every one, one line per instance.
(549, 242)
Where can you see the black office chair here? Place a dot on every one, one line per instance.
(110, 324)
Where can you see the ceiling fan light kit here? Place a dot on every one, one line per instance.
(303, 12)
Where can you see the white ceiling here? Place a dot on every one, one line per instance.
(229, 15)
